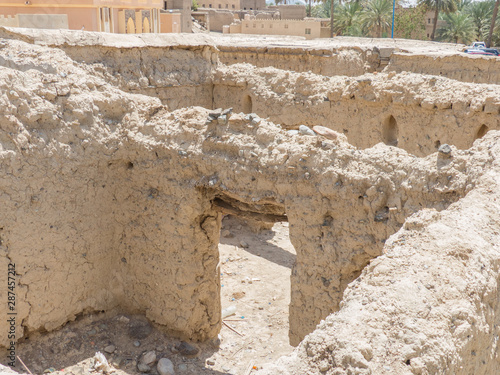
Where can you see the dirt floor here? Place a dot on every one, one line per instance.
(255, 278)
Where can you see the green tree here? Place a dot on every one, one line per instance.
(321, 10)
(194, 5)
(347, 21)
(463, 5)
(377, 16)
(446, 6)
(480, 13)
(459, 27)
(409, 23)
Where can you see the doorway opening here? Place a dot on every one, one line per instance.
(256, 259)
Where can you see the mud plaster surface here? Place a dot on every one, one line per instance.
(256, 281)
(142, 179)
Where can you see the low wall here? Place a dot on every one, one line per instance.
(429, 305)
(423, 112)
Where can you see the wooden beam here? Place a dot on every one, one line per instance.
(226, 208)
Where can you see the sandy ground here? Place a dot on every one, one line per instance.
(255, 280)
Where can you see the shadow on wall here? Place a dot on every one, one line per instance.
(481, 132)
(390, 132)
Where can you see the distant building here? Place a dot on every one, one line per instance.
(232, 4)
(429, 23)
(309, 28)
(113, 16)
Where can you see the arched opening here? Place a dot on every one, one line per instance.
(130, 26)
(481, 132)
(390, 132)
(145, 26)
(247, 104)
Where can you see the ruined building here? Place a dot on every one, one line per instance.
(115, 164)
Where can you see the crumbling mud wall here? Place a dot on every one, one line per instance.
(407, 110)
(87, 218)
(146, 180)
(349, 61)
(112, 200)
(461, 67)
(429, 305)
(174, 69)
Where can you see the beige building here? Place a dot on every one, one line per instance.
(114, 16)
(233, 4)
(429, 23)
(308, 28)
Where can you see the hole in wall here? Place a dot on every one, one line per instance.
(390, 131)
(481, 131)
(247, 104)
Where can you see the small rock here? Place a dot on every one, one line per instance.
(227, 112)
(215, 342)
(110, 349)
(139, 329)
(160, 348)
(325, 132)
(215, 113)
(293, 132)
(123, 319)
(92, 332)
(137, 343)
(101, 363)
(148, 358)
(255, 121)
(305, 130)
(165, 367)
(445, 149)
(49, 370)
(187, 349)
(244, 245)
(183, 367)
(117, 362)
(143, 368)
(239, 227)
(222, 120)
(226, 234)
(210, 362)
(143, 82)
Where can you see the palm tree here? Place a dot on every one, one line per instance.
(459, 27)
(480, 12)
(463, 4)
(348, 17)
(376, 16)
(493, 20)
(439, 5)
